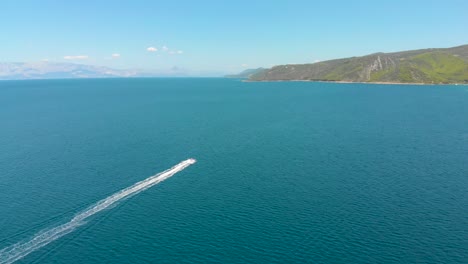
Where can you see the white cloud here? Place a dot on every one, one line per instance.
(165, 48)
(180, 51)
(76, 57)
(116, 55)
(152, 49)
(245, 65)
(315, 61)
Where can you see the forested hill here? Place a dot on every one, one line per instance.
(449, 65)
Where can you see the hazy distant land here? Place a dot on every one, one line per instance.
(246, 73)
(60, 70)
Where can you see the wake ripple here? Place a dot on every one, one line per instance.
(19, 250)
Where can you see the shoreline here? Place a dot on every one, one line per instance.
(350, 82)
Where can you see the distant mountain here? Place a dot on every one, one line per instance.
(48, 70)
(417, 66)
(52, 70)
(245, 74)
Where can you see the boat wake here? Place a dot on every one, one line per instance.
(19, 250)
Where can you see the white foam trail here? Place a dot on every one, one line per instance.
(19, 250)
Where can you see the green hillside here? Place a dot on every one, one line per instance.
(417, 66)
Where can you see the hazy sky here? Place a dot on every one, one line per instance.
(209, 37)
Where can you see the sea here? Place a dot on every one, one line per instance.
(285, 172)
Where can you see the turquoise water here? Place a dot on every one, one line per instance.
(287, 172)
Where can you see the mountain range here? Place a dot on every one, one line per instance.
(442, 65)
(430, 66)
(54, 70)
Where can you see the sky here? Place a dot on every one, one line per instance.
(210, 38)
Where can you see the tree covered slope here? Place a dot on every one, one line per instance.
(417, 66)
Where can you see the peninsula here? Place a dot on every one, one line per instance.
(425, 66)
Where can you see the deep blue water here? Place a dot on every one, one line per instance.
(287, 172)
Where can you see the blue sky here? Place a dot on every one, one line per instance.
(216, 37)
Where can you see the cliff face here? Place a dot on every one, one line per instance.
(418, 66)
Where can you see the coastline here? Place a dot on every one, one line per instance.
(350, 82)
